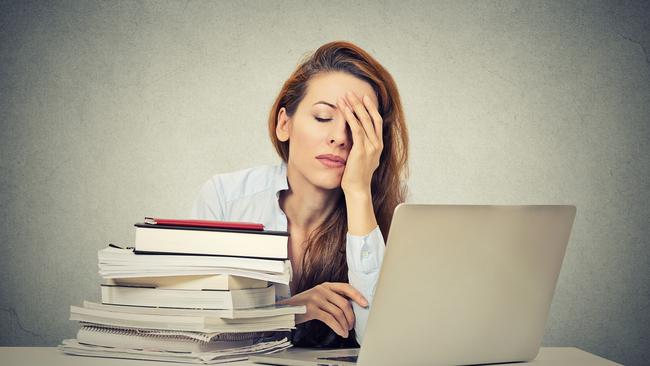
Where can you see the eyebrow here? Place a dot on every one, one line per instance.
(323, 102)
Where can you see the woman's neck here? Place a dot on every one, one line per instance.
(306, 205)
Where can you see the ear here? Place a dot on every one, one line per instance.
(283, 126)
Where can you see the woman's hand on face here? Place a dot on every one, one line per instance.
(329, 302)
(367, 142)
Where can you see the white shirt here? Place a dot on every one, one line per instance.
(253, 195)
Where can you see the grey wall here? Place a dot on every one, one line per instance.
(111, 111)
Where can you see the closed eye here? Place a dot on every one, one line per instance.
(323, 119)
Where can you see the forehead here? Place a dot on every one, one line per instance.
(332, 85)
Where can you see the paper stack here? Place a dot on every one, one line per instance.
(162, 301)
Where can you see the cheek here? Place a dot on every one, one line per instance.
(304, 145)
(308, 141)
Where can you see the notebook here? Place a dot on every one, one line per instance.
(172, 341)
(75, 347)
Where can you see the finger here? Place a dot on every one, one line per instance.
(343, 304)
(363, 117)
(358, 136)
(337, 313)
(350, 292)
(376, 117)
(331, 322)
(326, 300)
(350, 115)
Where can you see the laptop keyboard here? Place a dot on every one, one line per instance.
(341, 358)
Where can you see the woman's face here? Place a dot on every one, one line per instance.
(318, 128)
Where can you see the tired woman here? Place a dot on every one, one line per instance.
(338, 126)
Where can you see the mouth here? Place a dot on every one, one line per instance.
(331, 161)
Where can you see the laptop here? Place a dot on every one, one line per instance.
(459, 285)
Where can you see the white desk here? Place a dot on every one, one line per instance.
(50, 356)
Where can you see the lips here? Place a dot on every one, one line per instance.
(331, 157)
(331, 161)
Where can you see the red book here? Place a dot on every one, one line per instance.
(205, 223)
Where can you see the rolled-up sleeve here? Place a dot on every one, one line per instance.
(364, 257)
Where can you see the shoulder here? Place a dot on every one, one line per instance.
(246, 182)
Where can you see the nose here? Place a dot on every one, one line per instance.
(340, 134)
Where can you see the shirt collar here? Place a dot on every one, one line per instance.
(280, 180)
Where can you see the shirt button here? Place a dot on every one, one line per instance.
(365, 254)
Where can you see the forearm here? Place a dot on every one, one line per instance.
(364, 249)
(364, 257)
(364, 283)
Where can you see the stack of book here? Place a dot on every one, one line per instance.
(189, 291)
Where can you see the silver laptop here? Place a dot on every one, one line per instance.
(459, 285)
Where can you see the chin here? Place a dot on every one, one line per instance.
(327, 181)
(331, 183)
(332, 186)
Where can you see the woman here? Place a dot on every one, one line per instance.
(339, 128)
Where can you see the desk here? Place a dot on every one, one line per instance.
(50, 356)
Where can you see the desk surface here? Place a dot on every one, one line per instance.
(37, 356)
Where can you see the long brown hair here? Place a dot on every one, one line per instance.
(324, 258)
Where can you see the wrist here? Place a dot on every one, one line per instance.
(357, 195)
(361, 216)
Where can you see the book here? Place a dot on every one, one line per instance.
(171, 341)
(197, 282)
(115, 262)
(205, 308)
(74, 347)
(190, 299)
(157, 238)
(187, 323)
(260, 312)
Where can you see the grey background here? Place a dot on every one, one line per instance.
(111, 111)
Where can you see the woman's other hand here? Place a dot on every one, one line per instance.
(329, 302)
